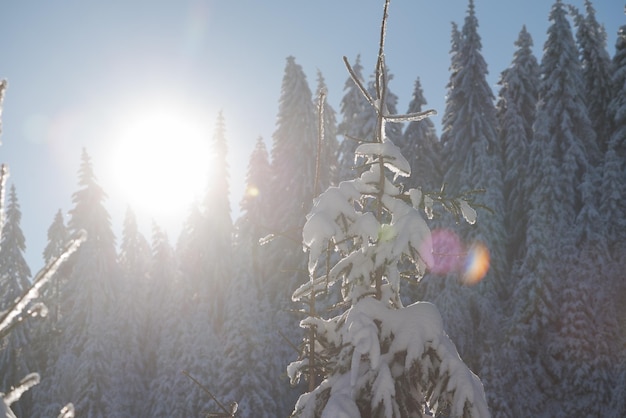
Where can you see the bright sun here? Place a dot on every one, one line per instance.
(161, 160)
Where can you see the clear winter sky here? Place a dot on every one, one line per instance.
(79, 71)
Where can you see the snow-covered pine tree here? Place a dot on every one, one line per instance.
(91, 295)
(472, 161)
(563, 138)
(167, 350)
(472, 152)
(252, 224)
(596, 74)
(328, 150)
(204, 245)
(421, 147)
(382, 359)
(433, 286)
(246, 376)
(58, 237)
(47, 333)
(209, 284)
(613, 204)
(357, 124)
(562, 116)
(293, 153)
(613, 188)
(246, 379)
(135, 253)
(15, 360)
(128, 376)
(515, 110)
(188, 243)
(217, 229)
(450, 114)
(504, 362)
(14, 271)
(291, 190)
(583, 351)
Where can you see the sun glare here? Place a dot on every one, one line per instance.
(161, 160)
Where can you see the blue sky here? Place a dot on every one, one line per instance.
(73, 67)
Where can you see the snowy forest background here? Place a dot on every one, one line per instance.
(544, 328)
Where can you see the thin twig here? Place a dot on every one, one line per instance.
(206, 390)
(358, 83)
(292, 345)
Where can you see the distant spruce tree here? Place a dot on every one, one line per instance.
(189, 242)
(472, 158)
(563, 123)
(472, 152)
(357, 123)
(292, 188)
(58, 236)
(217, 227)
(450, 114)
(559, 165)
(421, 147)
(48, 333)
(167, 347)
(596, 74)
(328, 149)
(253, 222)
(91, 295)
(294, 150)
(208, 286)
(613, 188)
(517, 100)
(505, 372)
(245, 374)
(613, 203)
(15, 359)
(129, 394)
(134, 255)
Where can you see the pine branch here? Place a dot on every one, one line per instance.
(411, 117)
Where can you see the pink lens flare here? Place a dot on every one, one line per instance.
(448, 251)
(451, 255)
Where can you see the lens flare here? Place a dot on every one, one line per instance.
(252, 191)
(476, 264)
(448, 252)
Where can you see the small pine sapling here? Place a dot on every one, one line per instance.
(378, 358)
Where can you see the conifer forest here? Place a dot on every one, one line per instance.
(379, 266)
